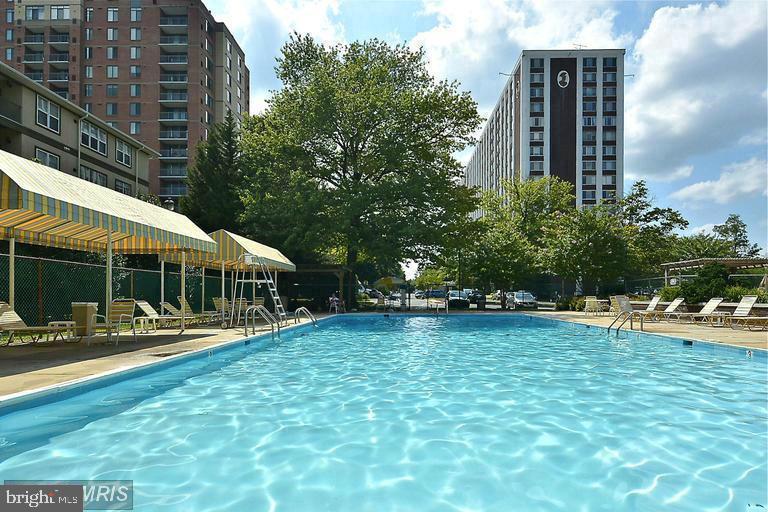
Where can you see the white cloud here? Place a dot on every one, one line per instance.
(736, 181)
(473, 44)
(699, 86)
(704, 229)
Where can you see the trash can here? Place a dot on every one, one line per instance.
(82, 315)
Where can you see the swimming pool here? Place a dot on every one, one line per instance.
(465, 412)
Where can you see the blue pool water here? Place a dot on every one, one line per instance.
(468, 412)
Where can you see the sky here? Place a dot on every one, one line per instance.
(696, 107)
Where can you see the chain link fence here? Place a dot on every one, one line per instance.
(46, 288)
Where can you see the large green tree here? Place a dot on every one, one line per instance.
(359, 144)
(734, 231)
(700, 245)
(212, 200)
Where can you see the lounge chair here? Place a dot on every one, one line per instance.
(655, 316)
(707, 313)
(13, 325)
(591, 305)
(120, 312)
(671, 310)
(206, 316)
(189, 318)
(615, 308)
(152, 316)
(741, 318)
(224, 306)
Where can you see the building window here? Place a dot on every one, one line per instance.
(609, 150)
(609, 91)
(537, 150)
(88, 71)
(135, 71)
(34, 12)
(588, 166)
(537, 167)
(229, 62)
(111, 34)
(537, 78)
(609, 77)
(135, 90)
(537, 92)
(111, 109)
(537, 136)
(588, 179)
(89, 34)
(609, 135)
(590, 62)
(48, 114)
(229, 79)
(59, 12)
(9, 34)
(46, 158)
(609, 62)
(93, 137)
(88, 107)
(135, 52)
(588, 195)
(537, 63)
(135, 13)
(122, 152)
(135, 34)
(112, 72)
(589, 106)
(111, 52)
(9, 54)
(590, 91)
(609, 120)
(239, 64)
(589, 135)
(89, 14)
(589, 121)
(229, 96)
(123, 187)
(88, 90)
(135, 109)
(88, 53)
(537, 107)
(9, 15)
(609, 106)
(537, 121)
(229, 46)
(112, 14)
(609, 194)
(112, 91)
(609, 179)
(588, 150)
(589, 77)
(134, 128)
(609, 165)
(93, 176)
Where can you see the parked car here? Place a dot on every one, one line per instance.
(375, 294)
(458, 300)
(434, 294)
(418, 294)
(521, 299)
(475, 295)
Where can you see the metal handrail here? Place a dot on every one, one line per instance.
(627, 316)
(306, 312)
(266, 315)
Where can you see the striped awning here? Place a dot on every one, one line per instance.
(42, 206)
(230, 247)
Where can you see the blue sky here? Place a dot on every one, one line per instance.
(696, 110)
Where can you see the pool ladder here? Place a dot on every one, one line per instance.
(304, 311)
(266, 315)
(624, 316)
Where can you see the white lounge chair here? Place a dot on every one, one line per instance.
(741, 318)
(152, 316)
(121, 312)
(707, 313)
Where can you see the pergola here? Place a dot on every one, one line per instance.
(729, 263)
(230, 248)
(43, 206)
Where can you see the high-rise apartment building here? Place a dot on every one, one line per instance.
(163, 71)
(560, 114)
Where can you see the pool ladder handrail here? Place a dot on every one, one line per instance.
(266, 315)
(306, 313)
(626, 315)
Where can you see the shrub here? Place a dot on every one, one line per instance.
(735, 293)
(710, 281)
(570, 304)
(669, 293)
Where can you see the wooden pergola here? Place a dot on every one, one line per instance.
(729, 263)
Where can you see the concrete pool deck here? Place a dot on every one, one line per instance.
(25, 368)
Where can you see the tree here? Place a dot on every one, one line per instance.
(212, 200)
(734, 231)
(700, 245)
(586, 245)
(367, 138)
(431, 277)
(649, 230)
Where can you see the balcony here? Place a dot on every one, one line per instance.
(174, 40)
(58, 76)
(173, 135)
(173, 116)
(174, 153)
(34, 39)
(174, 96)
(58, 38)
(173, 21)
(169, 58)
(173, 77)
(173, 190)
(33, 58)
(12, 111)
(58, 57)
(173, 171)
(37, 76)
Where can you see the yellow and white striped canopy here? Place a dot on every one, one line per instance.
(230, 247)
(42, 206)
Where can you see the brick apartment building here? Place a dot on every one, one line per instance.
(163, 71)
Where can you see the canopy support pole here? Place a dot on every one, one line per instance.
(223, 293)
(202, 307)
(162, 284)
(108, 307)
(12, 272)
(666, 277)
(183, 287)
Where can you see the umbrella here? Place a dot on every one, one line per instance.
(389, 282)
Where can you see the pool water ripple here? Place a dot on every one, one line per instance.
(419, 413)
